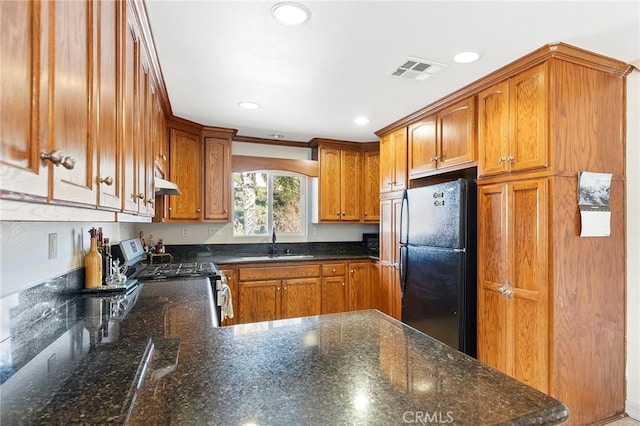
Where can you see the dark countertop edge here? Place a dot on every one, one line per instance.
(235, 259)
(555, 415)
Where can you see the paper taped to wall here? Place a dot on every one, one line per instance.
(593, 200)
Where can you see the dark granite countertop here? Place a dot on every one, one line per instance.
(162, 361)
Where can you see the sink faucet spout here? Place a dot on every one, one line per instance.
(274, 247)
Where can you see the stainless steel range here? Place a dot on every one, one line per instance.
(132, 254)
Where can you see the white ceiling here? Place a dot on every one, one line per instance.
(313, 80)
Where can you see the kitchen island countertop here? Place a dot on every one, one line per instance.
(165, 363)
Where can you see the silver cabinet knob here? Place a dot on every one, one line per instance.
(107, 181)
(435, 158)
(150, 201)
(141, 196)
(334, 270)
(501, 160)
(511, 159)
(163, 157)
(57, 158)
(197, 210)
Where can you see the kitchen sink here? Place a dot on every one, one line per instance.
(276, 257)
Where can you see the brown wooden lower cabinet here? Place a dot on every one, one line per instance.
(551, 303)
(359, 286)
(334, 288)
(266, 293)
(279, 299)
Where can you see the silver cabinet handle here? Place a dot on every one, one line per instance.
(57, 158)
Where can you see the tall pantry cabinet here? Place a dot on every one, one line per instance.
(551, 303)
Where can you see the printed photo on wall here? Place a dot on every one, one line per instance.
(594, 190)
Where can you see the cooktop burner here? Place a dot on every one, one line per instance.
(177, 270)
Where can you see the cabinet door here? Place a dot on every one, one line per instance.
(217, 172)
(371, 184)
(351, 184)
(391, 301)
(330, 189)
(107, 86)
(493, 129)
(300, 297)
(359, 286)
(71, 99)
(399, 159)
(396, 295)
(22, 46)
(232, 282)
(129, 162)
(527, 314)
(186, 172)
(512, 278)
(423, 155)
(387, 163)
(457, 133)
(259, 301)
(334, 295)
(145, 143)
(493, 348)
(528, 112)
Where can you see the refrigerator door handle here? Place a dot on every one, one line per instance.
(402, 260)
(402, 239)
(460, 250)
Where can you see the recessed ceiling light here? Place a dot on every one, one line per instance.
(466, 57)
(290, 13)
(249, 105)
(276, 136)
(361, 121)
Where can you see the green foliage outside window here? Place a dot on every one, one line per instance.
(262, 200)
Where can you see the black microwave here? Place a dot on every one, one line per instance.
(370, 241)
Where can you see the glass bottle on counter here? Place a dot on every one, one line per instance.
(93, 263)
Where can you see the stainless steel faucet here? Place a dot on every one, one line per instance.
(274, 247)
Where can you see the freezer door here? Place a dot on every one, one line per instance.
(437, 215)
(434, 293)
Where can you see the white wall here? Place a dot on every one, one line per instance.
(24, 250)
(633, 243)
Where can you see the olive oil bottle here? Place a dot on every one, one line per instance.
(93, 263)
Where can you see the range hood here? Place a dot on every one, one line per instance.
(164, 187)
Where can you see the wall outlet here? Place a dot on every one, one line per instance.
(185, 232)
(53, 246)
(213, 231)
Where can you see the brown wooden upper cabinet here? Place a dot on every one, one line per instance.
(443, 140)
(345, 190)
(370, 186)
(185, 167)
(393, 161)
(513, 125)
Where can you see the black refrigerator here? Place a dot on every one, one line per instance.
(438, 262)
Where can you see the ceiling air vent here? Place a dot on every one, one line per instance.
(418, 69)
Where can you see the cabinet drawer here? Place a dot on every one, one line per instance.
(333, 269)
(278, 272)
